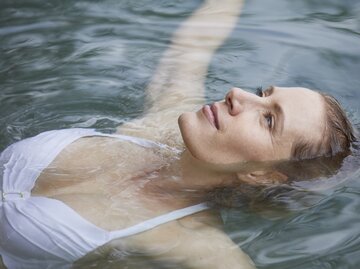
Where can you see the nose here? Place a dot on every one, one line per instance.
(237, 100)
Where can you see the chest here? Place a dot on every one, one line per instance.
(102, 179)
(98, 160)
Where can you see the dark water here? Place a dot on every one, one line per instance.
(86, 63)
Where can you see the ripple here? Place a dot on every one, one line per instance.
(36, 26)
(67, 64)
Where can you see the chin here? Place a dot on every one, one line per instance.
(184, 122)
(187, 126)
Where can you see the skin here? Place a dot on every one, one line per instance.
(105, 172)
(95, 171)
(254, 128)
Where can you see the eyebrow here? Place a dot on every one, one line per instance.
(269, 91)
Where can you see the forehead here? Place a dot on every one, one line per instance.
(303, 114)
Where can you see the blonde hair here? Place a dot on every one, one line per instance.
(338, 134)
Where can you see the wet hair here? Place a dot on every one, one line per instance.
(279, 197)
(338, 134)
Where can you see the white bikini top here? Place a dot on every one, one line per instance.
(39, 232)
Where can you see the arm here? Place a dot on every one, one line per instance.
(180, 75)
(207, 247)
(188, 243)
(191, 243)
(178, 82)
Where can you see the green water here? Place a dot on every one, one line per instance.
(70, 64)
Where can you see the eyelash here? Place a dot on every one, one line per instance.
(267, 115)
(259, 91)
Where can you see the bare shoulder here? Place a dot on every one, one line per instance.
(159, 126)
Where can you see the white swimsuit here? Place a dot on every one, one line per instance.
(39, 232)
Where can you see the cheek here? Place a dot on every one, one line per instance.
(249, 142)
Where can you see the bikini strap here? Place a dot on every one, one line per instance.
(137, 140)
(154, 222)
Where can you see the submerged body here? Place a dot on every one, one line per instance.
(85, 172)
(27, 214)
(113, 184)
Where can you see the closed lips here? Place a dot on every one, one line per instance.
(213, 109)
(210, 113)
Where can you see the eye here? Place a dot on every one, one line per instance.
(269, 119)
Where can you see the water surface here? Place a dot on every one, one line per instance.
(70, 64)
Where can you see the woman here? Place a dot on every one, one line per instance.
(69, 196)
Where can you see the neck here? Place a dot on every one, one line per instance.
(193, 175)
(186, 181)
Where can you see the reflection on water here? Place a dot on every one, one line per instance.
(85, 64)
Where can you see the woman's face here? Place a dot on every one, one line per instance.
(250, 127)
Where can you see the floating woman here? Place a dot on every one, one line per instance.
(78, 197)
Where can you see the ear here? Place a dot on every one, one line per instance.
(263, 177)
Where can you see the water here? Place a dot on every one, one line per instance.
(86, 63)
